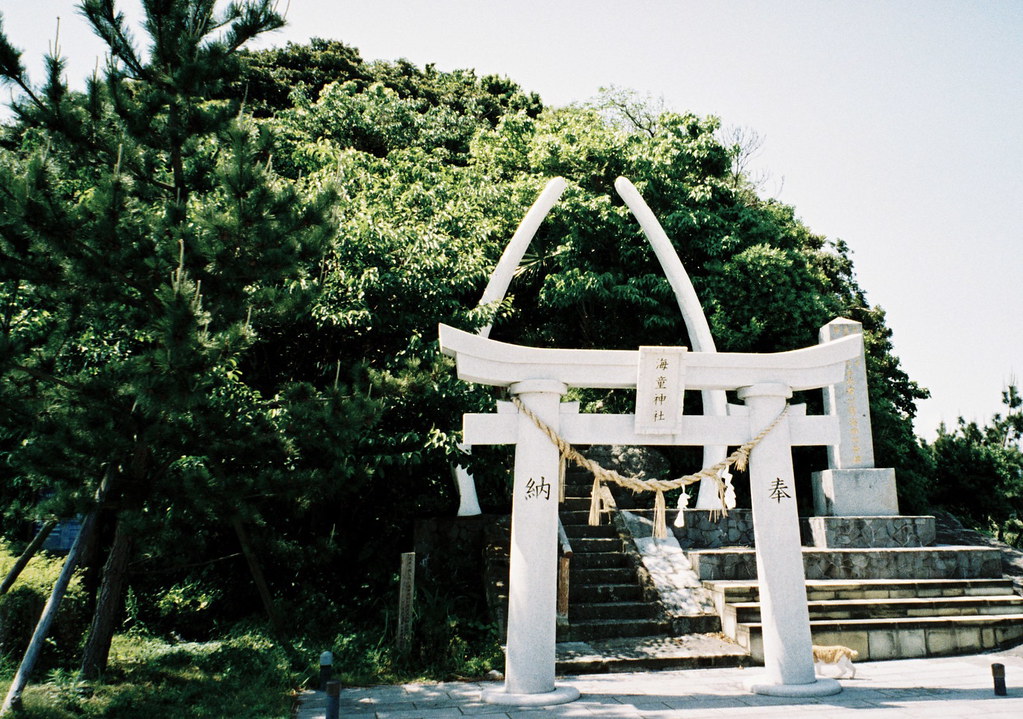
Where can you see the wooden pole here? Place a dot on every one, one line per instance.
(35, 646)
(26, 556)
(407, 590)
(260, 580)
(563, 586)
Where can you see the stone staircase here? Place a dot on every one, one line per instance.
(886, 602)
(615, 620)
(608, 595)
(919, 602)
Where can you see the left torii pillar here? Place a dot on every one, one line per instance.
(532, 585)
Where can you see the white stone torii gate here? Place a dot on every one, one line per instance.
(540, 377)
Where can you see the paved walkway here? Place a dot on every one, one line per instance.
(945, 688)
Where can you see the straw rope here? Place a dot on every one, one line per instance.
(738, 459)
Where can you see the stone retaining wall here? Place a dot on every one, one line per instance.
(701, 532)
(901, 563)
(847, 532)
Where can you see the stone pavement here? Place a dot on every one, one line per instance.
(942, 688)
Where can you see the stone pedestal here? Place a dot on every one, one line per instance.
(855, 493)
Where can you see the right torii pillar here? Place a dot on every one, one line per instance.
(789, 669)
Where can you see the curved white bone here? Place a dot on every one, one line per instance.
(496, 289)
(714, 401)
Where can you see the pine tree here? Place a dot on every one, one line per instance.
(145, 245)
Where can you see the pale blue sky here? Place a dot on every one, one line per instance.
(896, 126)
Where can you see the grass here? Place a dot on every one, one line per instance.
(246, 675)
(241, 674)
(442, 649)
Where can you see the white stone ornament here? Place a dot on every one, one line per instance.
(497, 288)
(726, 477)
(683, 502)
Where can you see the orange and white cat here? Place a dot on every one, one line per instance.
(837, 656)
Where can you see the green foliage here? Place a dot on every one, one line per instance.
(449, 642)
(420, 230)
(150, 258)
(979, 471)
(243, 675)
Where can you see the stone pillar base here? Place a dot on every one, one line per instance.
(819, 688)
(562, 694)
(855, 493)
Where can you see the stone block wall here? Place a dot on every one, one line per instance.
(867, 532)
(703, 532)
(898, 563)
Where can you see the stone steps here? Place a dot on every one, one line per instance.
(903, 638)
(602, 593)
(607, 628)
(606, 596)
(909, 608)
(594, 545)
(612, 611)
(629, 654)
(600, 560)
(614, 626)
(735, 590)
(887, 618)
(609, 575)
(584, 531)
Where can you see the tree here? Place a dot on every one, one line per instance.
(420, 231)
(979, 470)
(147, 250)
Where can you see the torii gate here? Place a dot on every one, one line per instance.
(540, 378)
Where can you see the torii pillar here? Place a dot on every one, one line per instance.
(532, 596)
(781, 579)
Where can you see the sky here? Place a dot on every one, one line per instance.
(896, 126)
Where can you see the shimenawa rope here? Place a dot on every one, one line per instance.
(738, 459)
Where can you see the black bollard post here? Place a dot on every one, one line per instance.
(998, 672)
(326, 669)
(333, 700)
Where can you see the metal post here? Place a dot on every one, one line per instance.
(998, 673)
(406, 595)
(333, 700)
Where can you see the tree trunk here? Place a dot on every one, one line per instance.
(27, 555)
(108, 605)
